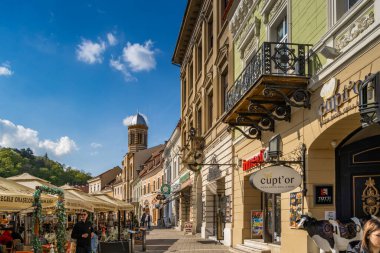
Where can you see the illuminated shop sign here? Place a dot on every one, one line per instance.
(256, 160)
(276, 179)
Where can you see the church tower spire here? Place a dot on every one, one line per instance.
(137, 134)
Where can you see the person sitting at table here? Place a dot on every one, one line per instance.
(6, 239)
(17, 235)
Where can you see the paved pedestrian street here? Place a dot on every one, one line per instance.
(169, 240)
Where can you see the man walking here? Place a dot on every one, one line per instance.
(83, 232)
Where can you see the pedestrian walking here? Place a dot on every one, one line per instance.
(147, 220)
(83, 232)
(370, 242)
(142, 220)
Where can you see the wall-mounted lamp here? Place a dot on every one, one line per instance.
(369, 100)
(275, 147)
(334, 143)
(329, 52)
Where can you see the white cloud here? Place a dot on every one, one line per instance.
(5, 70)
(129, 119)
(90, 52)
(96, 145)
(111, 39)
(17, 136)
(118, 66)
(140, 57)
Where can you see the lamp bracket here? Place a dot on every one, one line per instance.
(257, 108)
(299, 96)
(253, 133)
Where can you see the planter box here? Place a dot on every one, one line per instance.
(114, 247)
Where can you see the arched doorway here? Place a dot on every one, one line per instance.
(358, 174)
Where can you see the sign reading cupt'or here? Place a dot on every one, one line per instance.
(276, 179)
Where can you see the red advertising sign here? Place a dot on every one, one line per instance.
(256, 160)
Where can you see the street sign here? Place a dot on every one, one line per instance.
(165, 189)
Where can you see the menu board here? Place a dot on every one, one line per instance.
(256, 224)
(295, 208)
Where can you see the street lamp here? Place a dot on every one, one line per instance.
(275, 147)
(369, 99)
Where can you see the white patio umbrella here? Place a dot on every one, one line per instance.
(72, 202)
(15, 197)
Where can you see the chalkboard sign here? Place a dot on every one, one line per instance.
(295, 208)
(188, 227)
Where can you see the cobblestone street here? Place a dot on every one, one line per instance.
(168, 240)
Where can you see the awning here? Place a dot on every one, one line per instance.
(15, 197)
(72, 202)
(98, 204)
(121, 205)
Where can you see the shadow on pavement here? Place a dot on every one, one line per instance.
(208, 242)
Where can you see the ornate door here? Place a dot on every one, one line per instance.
(358, 178)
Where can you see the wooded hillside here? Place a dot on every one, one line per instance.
(14, 162)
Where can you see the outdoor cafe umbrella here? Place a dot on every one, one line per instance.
(15, 197)
(72, 202)
(98, 204)
(121, 205)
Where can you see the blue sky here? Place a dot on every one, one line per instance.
(72, 71)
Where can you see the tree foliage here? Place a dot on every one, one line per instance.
(14, 162)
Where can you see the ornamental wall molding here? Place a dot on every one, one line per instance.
(198, 27)
(276, 8)
(355, 29)
(208, 78)
(222, 55)
(251, 46)
(240, 15)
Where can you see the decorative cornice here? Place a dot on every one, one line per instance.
(241, 12)
(222, 54)
(208, 78)
(354, 29)
(276, 8)
(201, 18)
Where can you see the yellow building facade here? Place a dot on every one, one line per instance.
(303, 86)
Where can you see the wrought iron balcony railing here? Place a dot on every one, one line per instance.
(271, 59)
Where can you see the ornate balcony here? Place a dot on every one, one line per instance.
(273, 81)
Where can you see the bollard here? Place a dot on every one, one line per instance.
(143, 240)
(131, 242)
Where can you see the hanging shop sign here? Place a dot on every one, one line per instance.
(256, 160)
(323, 194)
(165, 189)
(276, 179)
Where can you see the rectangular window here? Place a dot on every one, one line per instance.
(139, 138)
(223, 10)
(199, 58)
(223, 90)
(148, 187)
(132, 141)
(191, 75)
(163, 179)
(282, 31)
(210, 110)
(210, 35)
(199, 121)
(343, 6)
(184, 92)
